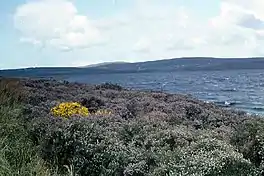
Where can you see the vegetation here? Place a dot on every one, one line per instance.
(69, 109)
(128, 133)
(18, 155)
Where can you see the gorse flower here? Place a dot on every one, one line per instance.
(69, 109)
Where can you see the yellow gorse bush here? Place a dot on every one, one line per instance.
(69, 109)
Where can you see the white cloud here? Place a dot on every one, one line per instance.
(237, 14)
(243, 23)
(169, 31)
(56, 23)
(149, 30)
(253, 6)
(142, 45)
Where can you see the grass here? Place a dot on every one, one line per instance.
(18, 155)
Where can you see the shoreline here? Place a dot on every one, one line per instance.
(118, 96)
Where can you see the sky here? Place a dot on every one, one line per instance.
(37, 33)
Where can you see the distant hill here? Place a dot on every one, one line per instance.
(167, 65)
(103, 64)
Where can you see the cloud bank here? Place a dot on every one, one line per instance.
(148, 30)
(55, 23)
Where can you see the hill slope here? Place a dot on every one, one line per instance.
(181, 64)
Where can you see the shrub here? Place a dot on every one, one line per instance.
(152, 134)
(92, 103)
(10, 91)
(69, 109)
(144, 147)
(103, 112)
(209, 156)
(249, 139)
(110, 86)
(89, 145)
(18, 155)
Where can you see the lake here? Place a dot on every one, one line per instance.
(241, 89)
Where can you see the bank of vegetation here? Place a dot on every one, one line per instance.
(50, 127)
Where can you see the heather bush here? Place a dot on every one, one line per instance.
(110, 86)
(103, 112)
(89, 145)
(179, 109)
(10, 91)
(128, 133)
(92, 103)
(139, 146)
(249, 139)
(209, 156)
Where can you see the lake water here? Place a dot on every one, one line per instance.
(241, 89)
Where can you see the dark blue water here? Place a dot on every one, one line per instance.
(240, 89)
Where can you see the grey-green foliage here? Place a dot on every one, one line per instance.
(138, 147)
(17, 154)
(249, 139)
(210, 156)
(154, 134)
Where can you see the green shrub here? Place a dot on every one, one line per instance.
(81, 143)
(114, 146)
(92, 103)
(210, 156)
(110, 86)
(143, 139)
(249, 139)
(11, 91)
(18, 156)
(199, 155)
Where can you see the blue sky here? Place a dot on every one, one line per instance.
(83, 32)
